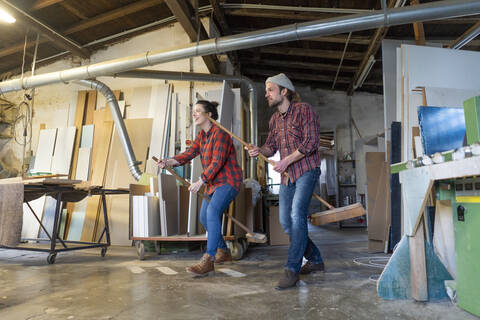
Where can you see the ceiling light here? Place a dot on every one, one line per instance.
(6, 17)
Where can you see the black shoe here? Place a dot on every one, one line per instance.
(310, 267)
(289, 280)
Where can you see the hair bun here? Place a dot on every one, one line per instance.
(215, 104)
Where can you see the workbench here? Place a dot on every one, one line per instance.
(65, 190)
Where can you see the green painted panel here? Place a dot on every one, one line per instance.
(467, 252)
(472, 119)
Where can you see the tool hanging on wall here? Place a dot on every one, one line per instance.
(251, 236)
(354, 210)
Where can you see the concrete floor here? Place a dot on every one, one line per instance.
(82, 285)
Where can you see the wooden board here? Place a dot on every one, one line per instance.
(77, 221)
(48, 217)
(62, 156)
(90, 108)
(169, 195)
(339, 214)
(87, 136)
(157, 111)
(46, 145)
(31, 226)
(101, 147)
(443, 236)
(83, 167)
(418, 268)
(77, 122)
(118, 176)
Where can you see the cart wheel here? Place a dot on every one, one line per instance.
(51, 258)
(140, 249)
(103, 252)
(158, 247)
(244, 244)
(236, 249)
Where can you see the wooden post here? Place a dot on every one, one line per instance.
(418, 266)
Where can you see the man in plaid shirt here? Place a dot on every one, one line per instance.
(294, 132)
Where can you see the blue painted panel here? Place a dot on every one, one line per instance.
(441, 128)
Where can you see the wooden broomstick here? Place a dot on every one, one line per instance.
(251, 236)
(319, 218)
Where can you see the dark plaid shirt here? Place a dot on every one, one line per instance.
(297, 129)
(218, 158)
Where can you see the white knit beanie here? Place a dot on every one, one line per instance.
(282, 80)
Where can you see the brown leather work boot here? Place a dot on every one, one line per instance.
(289, 280)
(223, 256)
(204, 267)
(311, 267)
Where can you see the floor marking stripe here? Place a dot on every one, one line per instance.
(167, 271)
(136, 269)
(232, 273)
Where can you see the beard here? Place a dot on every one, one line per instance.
(275, 103)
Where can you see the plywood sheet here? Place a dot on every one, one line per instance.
(76, 223)
(376, 195)
(48, 218)
(45, 148)
(77, 122)
(30, 224)
(83, 166)
(62, 155)
(443, 237)
(11, 199)
(87, 136)
(139, 103)
(90, 108)
(118, 176)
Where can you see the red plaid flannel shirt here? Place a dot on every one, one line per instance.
(218, 158)
(297, 129)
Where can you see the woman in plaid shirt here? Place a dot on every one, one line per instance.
(222, 177)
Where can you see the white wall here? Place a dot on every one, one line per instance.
(55, 104)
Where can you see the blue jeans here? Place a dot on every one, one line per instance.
(294, 201)
(211, 216)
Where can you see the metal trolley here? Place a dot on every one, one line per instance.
(62, 192)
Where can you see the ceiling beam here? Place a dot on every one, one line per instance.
(40, 4)
(465, 34)
(112, 15)
(219, 16)
(373, 47)
(278, 15)
(184, 12)
(314, 53)
(418, 28)
(299, 65)
(58, 39)
(76, 12)
(303, 76)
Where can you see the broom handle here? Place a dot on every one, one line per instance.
(262, 156)
(187, 184)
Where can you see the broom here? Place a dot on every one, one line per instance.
(319, 218)
(251, 236)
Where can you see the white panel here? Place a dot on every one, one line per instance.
(46, 144)
(447, 97)
(158, 112)
(86, 140)
(443, 237)
(78, 217)
(139, 103)
(31, 226)
(443, 68)
(62, 157)
(83, 164)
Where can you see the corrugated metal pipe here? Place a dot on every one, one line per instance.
(119, 124)
(357, 22)
(205, 77)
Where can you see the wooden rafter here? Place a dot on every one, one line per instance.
(279, 15)
(373, 47)
(73, 10)
(183, 11)
(90, 23)
(418, 28)
(302, 76)
(58, 39)
(474, 27)
(315, 53)
(40, 4)
(225, 29)
(302, 65)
